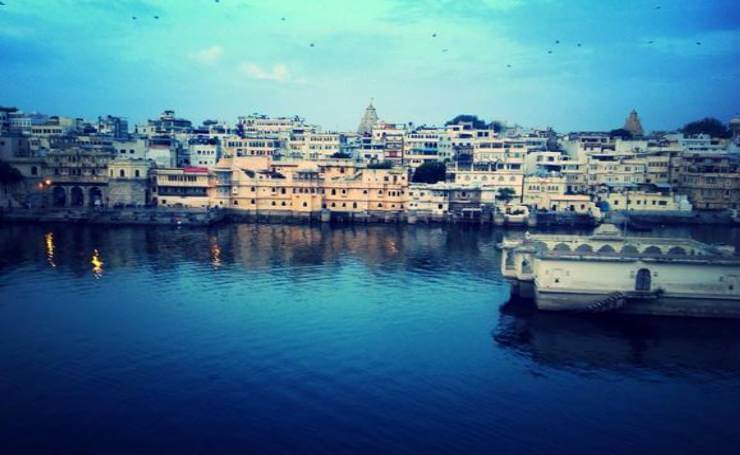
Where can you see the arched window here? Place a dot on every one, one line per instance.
(677, 250)
(630, 250)
(585, 248)
(122, 173)
(137, 173)
(652, 250)
(34, 170)
(561, 248)
(642, 280)
(606, 249)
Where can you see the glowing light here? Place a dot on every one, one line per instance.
(97, 264)
(49, 239)
(215, 253)
(47, 181)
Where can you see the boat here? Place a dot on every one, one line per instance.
(609, 272)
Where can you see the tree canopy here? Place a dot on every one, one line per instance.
(496, 126)
(464, 118)
(9, 175)
(621, 133)
(708, 125)
(505, 194)
(430, 172)
(341, 155)
(380, 165)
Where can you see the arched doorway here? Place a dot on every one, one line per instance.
(76, 197)
(58, 197)
(642, 281)
(96, 197)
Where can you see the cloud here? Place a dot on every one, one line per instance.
(278, 73)
(208, 56)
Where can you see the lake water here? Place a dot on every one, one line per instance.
(375, 339)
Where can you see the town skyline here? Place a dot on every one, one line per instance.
(538, 63)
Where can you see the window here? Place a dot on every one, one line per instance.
(34, 170)
(137, 173)
(122, 173)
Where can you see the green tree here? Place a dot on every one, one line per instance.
(340, 155)
(496, 126)
(621, 133)
(380, 165)
(463, 118)
(9, 175)
(430, 172)
(708, 125)
(505, 194)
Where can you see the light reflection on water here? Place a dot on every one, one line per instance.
(380, 338)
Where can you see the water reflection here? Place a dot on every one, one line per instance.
(49, 241)
(670, 346)
(215, 252)
(97, 264)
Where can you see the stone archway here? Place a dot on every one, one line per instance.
(76, 197)
(58, 196)
(643, 280)
(96, 197)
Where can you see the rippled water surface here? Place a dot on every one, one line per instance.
(311, 339)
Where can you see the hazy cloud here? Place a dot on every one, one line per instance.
(208, 56)
(278, 73)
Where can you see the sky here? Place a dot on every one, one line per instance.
(421, 61)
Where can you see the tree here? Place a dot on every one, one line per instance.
(465, 118)
(430, 172)
(505, 194)
(9, 175)
(380, 165)
(340, 155)
(496, 126)
(708, 125)
(620, 133)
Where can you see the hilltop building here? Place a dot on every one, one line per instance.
(633, 124)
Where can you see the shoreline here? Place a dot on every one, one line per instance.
(157, 216)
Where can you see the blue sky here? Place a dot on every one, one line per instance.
(209, 59)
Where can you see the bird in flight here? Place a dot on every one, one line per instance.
(444, 50)
(156, 17)
(282, 19)
(133, 18)
(434, 35)
(312, 45)
(2, 4)
(508, 66)
(651, 42)
(698, 43)
(549, 52)
(557, 41)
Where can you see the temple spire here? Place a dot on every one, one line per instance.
(369, 120)
(633, 124)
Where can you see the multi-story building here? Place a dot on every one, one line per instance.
(128, 182)
(711, 181)
(116, 127)
(431, 199)
(421, 146)
(181, 187)
(496, 175)
(76, 177)
(646, 198)
(391, 135)
(540, 189)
